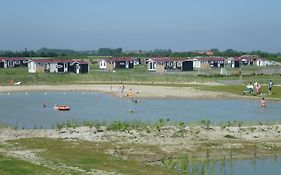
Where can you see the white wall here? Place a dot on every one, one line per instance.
(102, 64)
(31, 67)
(53, 67)
(261, 63)
(151, 65)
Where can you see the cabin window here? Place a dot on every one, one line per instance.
(17, 62)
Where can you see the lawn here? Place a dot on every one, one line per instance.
(132, 76)
(12, 166)
(78, 157)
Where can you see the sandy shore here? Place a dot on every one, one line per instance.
(134, 90)
(214, 142)
(168, 138)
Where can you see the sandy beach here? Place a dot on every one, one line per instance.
(138, 91)
(170, 139)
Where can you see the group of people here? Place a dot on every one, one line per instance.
(250, 88)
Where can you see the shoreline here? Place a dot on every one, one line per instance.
(201, 142)
(207, 142)
(135, 91)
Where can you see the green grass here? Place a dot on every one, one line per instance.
(139, 75)
(11, 166)
(238, 89)
(88, 156)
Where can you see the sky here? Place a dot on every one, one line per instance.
(180, 25)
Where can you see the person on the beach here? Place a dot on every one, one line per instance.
(263, 103)
(270, 85)
(122, 88)
(257, 87)
(249, 88)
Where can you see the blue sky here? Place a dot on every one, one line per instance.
(179, 25)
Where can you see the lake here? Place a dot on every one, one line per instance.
(24, 109)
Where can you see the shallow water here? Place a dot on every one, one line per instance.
(24, 109)
(261, 166)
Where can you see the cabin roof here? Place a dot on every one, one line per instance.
(13, 59)
(161, 59)
(211, 59)
(120, 59)
(58, 61)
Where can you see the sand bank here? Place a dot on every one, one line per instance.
(138, 91)
(168, 138)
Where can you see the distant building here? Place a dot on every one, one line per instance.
(118, 63)
(234, 62)
(58, 66)
(247, 60)
(207, 62)
(160, 64)
(6, 62)
(183, 64)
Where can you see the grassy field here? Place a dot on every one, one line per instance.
(32, 156)
(12, 166)
(141, 76)
(138, 75)
(79, 157)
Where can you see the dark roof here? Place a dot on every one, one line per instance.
(52, 60)
(120, 59)
(58, 61)
(181, 60)
(250, 57)
(236, 59)
(211, 58)
(13, 58)
(161, 59)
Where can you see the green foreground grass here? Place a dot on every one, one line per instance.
(12, 166)
(76, 157)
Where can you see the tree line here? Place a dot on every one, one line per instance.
(118, 52)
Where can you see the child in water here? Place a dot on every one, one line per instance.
(263, 103)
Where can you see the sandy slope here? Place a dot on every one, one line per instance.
(135, 90)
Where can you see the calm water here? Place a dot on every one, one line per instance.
(270, 166)
(25, 109)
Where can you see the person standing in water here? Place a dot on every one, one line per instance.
(270, 85)
(263, 103)
(122, 88)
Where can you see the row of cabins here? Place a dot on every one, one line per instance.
(166, 64)
(153, 64)
(46, 65)
(236, 62)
